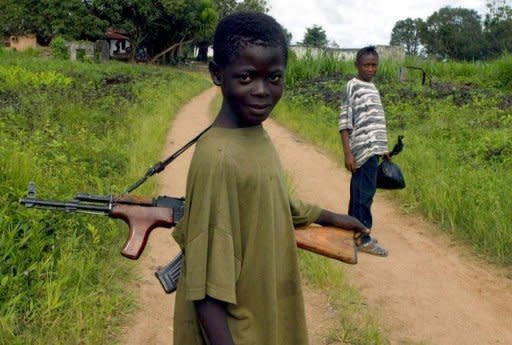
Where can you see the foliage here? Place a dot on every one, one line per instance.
(225, 7)
(406, 34)
(357, 325)
(503, 72)
(73, 127)
(453, 32)
(309, 67)
(498, 28)
(154, 24)
(315, 37)
(71, 19)
(11, 16)
(253, 5)
(59, 49)
(457, 33)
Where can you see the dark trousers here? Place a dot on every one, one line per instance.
(363, 186)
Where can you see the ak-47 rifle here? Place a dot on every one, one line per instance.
(141, 214)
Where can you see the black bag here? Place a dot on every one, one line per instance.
(389, 175)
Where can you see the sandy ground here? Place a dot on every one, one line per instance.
(429, 290)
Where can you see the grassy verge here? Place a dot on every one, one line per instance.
(74, 127)
(357, 324)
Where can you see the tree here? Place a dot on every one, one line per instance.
(406, 34)
(71, 19)
(139, 18)
(498, 28)
(208, 17)
(253, 5)
(288, 36)
(11, 18)
(315, 37)
(225, 7)
(453, 33)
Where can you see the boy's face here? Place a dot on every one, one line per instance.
(251, 85)
(367, 67)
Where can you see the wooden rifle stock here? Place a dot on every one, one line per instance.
(141, 221)
(142, 215)
(335, 243)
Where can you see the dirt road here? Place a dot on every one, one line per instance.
(428, 290)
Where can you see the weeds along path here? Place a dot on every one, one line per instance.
(428, 291)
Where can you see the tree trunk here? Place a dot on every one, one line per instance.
(165, 51)
(202, 54)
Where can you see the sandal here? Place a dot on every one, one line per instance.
(371, 247)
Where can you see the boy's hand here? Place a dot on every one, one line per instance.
(350, 162)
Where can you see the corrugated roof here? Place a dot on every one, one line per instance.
(115, 36)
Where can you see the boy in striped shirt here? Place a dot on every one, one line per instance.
(362, 127)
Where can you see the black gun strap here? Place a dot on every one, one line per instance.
(160, 166)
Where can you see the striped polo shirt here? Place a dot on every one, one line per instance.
(363, 115)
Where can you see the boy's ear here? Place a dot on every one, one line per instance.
(215, 73)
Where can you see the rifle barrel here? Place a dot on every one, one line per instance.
(69, 206)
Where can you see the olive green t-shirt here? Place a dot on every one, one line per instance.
(238, 241)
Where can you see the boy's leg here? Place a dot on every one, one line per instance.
(362, 190)
(363, 186)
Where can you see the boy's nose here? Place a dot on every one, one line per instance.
(260, 88)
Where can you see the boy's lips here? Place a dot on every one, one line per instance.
(259, 107)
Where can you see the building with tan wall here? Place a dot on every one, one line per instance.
(21, 42)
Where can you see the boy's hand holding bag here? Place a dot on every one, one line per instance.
(389, 174)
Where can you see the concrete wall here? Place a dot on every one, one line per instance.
(75, 46)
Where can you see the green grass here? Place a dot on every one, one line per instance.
(74, 127)
(357, 324)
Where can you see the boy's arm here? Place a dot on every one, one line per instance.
(350, 162)
(213, 318)
(328, 218)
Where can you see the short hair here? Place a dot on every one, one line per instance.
(369, 50)
(240, 29)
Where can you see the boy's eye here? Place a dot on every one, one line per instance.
(276, 78)
(244, 77)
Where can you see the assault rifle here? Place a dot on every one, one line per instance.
(141, 214)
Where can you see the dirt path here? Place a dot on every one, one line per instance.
(427, 291)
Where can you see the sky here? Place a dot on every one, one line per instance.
(356, 23)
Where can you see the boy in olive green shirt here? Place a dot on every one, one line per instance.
(240, 281)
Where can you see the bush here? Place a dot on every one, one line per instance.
(59, 48)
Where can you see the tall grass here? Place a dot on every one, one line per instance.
(73, 127)
(487, 74)
(311, 66)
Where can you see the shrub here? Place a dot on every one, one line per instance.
(59, 48)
